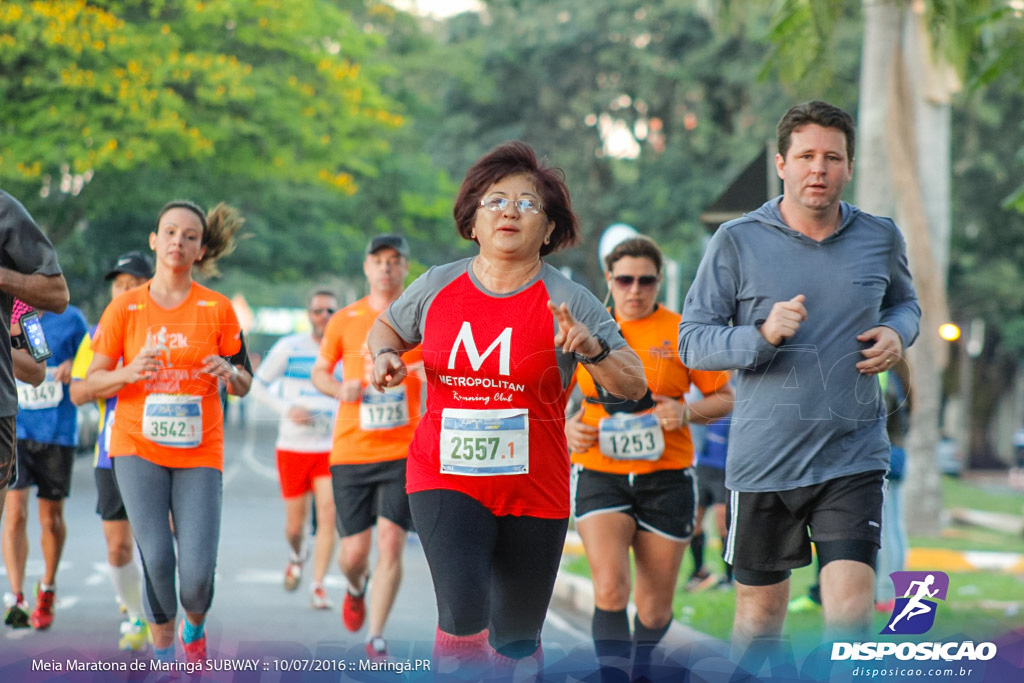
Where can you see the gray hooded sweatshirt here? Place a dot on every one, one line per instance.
(803, 414)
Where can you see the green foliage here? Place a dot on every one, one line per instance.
(807, 38)
(979, 599)
(255, 88)
(648, 110)
(285, 109)
(987, 250)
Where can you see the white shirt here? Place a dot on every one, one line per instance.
(282, 381)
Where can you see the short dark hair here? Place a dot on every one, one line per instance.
(822, 114)
(636, 247)
(319, 291)
(514, 158)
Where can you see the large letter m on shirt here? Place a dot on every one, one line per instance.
(465, 338)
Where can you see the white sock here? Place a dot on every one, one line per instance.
(127, 580)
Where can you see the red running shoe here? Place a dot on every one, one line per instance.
(353, 611)
(42, 615)
(194, 651)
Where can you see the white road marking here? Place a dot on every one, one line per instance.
(559, 622)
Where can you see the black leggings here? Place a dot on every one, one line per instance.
(489, 572)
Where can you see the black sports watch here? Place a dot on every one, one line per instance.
(601, 355)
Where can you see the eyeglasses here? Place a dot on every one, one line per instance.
(626, 281)
(321, 311)
(523, 205)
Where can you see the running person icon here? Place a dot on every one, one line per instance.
(916, 605)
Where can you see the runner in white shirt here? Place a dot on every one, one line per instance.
(303, 442)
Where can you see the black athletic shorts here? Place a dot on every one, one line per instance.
(772, 531)
(662, 502)
(362, 493)
(109, 505)
(46, 466)
(8, 450)
(711, 486)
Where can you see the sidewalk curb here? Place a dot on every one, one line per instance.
(578, 591)
(943, 559)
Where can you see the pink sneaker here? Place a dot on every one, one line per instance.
(377, 649)
(194, 651)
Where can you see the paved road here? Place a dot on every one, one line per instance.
(252, 616)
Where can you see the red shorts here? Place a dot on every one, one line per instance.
(298, 470)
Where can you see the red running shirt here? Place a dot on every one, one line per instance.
(484, 352)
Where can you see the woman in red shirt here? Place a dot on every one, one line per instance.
(488, 468)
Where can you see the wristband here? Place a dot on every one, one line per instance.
(380, 352)
(601, 355)
(686, 417)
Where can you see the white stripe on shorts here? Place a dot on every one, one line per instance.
(730, 543)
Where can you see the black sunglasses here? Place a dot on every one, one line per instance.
(645, 281)
(321, 311)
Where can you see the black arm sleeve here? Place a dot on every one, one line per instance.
(242, 357)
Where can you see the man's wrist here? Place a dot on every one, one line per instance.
(599, 356)
(380, 352)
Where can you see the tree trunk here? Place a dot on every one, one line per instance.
(892, 112)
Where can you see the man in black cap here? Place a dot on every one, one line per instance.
(137, 265)
(132, 269)
(372, 433)
(394, 242)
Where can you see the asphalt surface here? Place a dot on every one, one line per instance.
(252, 617)
(257, 632)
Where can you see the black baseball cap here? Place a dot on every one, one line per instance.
(396, 242)
(134, 263)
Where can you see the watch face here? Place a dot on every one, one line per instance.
(32, 328)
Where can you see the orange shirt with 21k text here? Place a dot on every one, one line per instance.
(204, 324)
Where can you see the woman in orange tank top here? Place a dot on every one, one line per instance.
(176, 341)
(634, 460)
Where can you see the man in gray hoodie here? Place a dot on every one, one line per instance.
(808, 299)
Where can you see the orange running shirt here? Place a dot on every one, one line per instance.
(345, 342)
(654, 340)
(155, 418)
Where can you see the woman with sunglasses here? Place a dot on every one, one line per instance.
(488, 468)
(163, 348)
(634, 461)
